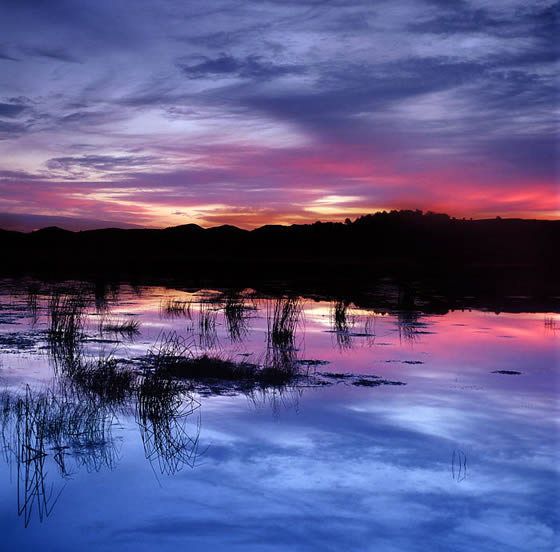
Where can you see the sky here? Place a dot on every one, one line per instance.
(160, 113)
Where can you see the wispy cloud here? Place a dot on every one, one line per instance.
(291, 111)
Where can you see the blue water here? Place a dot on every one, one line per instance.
(458, 459)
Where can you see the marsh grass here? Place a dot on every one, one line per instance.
(162, 411)
(102, 379)
(236, 314)
(43, 427)
(169, 350)
(176, 308)
(33, 299)
(66, 328)
(408, 326)
(283, 318)
(175, 356)
(341, 323)
(550, 324)
(207, 319)
(127, 328)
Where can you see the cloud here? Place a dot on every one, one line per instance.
(11, 109)
(250, 67)
(104, 162)
(412, 104)
(57, 54)
(7, 57)
(10, 130)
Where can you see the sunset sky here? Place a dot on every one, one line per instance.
(160, 113)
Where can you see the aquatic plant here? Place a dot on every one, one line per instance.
(126, 328)
(103, 380)
(162, 411)
(283, 317)
(169, 350)
(236, 316)
(176, 308)
(341, 322)
(43, 427)
(67, 318)
(207, 317)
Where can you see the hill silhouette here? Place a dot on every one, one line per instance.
(512, 255)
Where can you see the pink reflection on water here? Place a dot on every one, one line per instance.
(458, 349)
(455, 348)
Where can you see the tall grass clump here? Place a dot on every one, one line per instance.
(207, 318)
(125, 328)
(176, 308)
(283, 318)
(103, 380)
(162, 410)
(341, 324)
(40, 428)
(169, 351)
(66, 330)
(32, 299)
(67, 317)
(236, 316)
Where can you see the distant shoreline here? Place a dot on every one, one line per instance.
(498, 257)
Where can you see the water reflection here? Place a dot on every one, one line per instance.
(45, 427)
(109, 398)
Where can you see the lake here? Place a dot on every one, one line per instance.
(397, 430)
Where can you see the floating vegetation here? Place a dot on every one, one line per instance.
(236, 314)
(207, 317)
(68, 427)
(412, 362)
(17, 342)
(33, 299)
(360, 380)
(125, 328)
(312, 362)
(170, 349)
(41, 429)
(375, 381)
(507, 372)
(283, 318)
(174, 356)
(176, 308)
(162, 410)
(341, 323)
(105, 380)
(67, 318)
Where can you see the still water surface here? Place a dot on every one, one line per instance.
(462, 457)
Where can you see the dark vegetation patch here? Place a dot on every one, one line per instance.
(18, 342)
(370, 382)
(176, 308)
(413, 362)
(361, 380)
(335, 375)
(507, 372)
(313, 362)
(127, 328)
